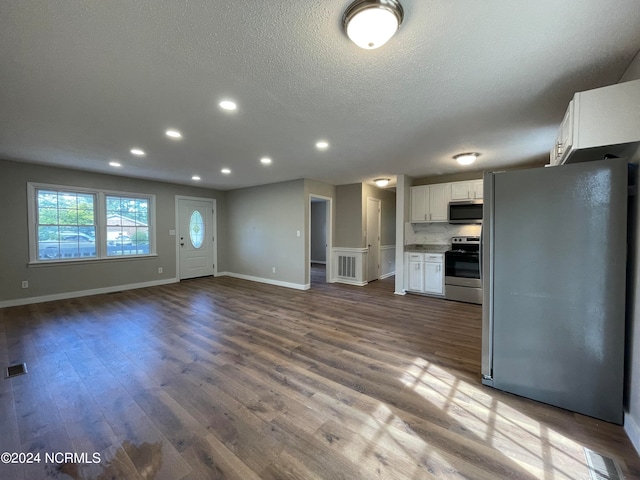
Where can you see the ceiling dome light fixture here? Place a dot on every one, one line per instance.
(466, 158)
(371, 23)
(381, 182)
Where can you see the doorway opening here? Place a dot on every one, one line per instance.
(373, 239)
(319, 240)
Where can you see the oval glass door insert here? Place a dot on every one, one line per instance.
(196, 229)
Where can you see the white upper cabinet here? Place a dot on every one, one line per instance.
(599, 122)
(429, 203)
(471, 190)
(438, 202)
(460, 190)
(478, 189)
(419, 204)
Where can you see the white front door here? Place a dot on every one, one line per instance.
(195, 238)
(373, 239)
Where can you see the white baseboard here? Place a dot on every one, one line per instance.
(633, 432)
(84, 293)
(278, 283)
(350, 282)
(400, 293)
(387, 275)
(319, 261)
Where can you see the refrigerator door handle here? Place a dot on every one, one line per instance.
(486, 276)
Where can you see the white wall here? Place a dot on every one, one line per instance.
(403, 199)
(262, 233)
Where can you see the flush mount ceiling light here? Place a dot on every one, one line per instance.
(466, 158)
(196, 178)
(322, 145)
(137, 151)
(115, 164)
(265, 161)
(371, 23)
(381, 182)
(225, 171)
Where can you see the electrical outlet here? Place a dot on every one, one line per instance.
(159, 269)
(25, 284)
(273, 269)
(297, 233)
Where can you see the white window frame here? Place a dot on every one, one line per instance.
(100, 223)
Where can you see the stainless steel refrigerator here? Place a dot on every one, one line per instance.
(554, 278)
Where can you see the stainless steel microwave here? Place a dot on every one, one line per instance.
(465, 211)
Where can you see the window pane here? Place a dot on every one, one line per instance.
(127, 226)
(48, 216)
(47, 199)
(196, 229)
(60, 215)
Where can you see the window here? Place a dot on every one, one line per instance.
(66, 226)
(127, 225)
(69, 223)
(196, 229)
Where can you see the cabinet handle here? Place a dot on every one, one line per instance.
(559, 148)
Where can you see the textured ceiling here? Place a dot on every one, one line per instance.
(82, 82)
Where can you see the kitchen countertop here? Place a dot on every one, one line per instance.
(428, 248)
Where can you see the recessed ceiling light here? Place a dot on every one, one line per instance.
(265, 161)
(322, 145)
(381, 182)
(173, 134)
(226, 171)
(466, 158)
(115, 164)
(228, 105)
(195, 177)
(138, 152)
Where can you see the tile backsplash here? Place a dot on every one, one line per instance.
(436, 233)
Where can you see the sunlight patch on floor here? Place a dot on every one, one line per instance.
(475, 412)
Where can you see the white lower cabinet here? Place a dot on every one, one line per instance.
(433, 278)
(424, 273)
(415, 272)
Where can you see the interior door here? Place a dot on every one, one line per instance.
(195, 238)
(373, 239)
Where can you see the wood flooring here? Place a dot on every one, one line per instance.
(221, 378)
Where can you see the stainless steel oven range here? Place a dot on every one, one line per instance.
(462, 280)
